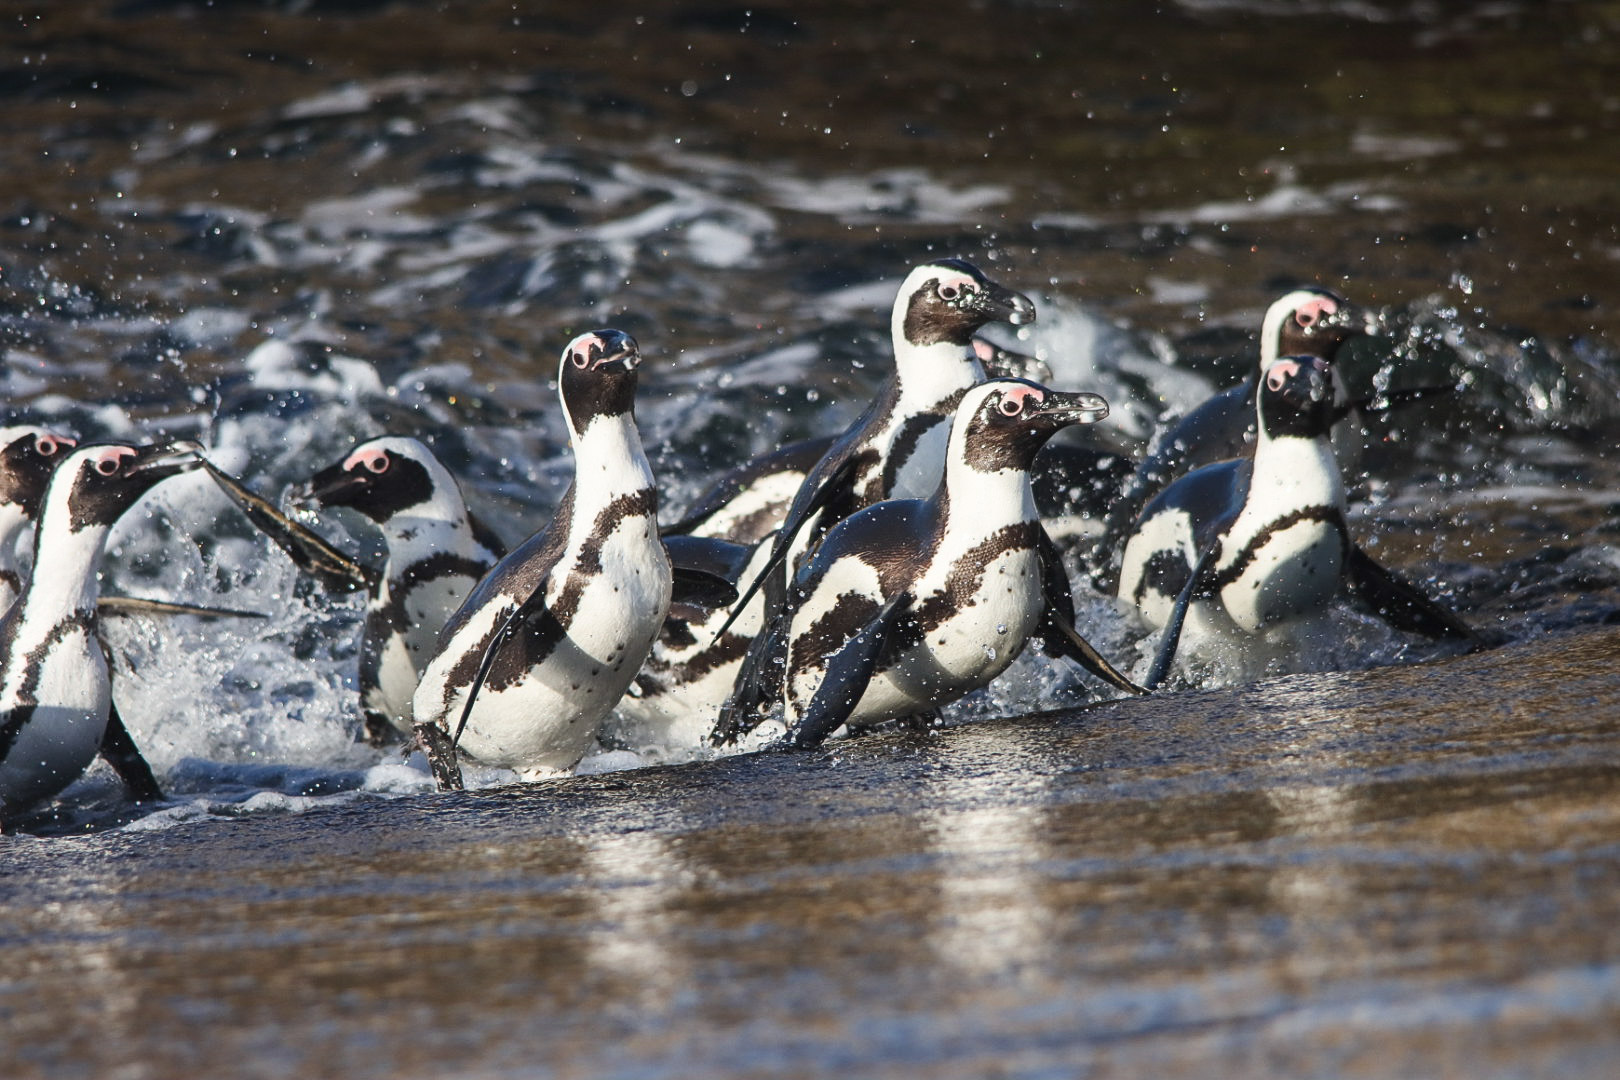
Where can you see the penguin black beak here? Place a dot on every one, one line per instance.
(154, 463)
(998, 304)
(1348, 321)
(1077, 407)
(332, 486)
(1002, 363)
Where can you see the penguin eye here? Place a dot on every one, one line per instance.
(582, 357)
(1306, 319)
(46, 445)
(1011, 406)
(1275, 380)
(378, 464)
(107, 466)
(951, 291)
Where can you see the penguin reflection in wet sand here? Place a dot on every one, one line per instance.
(912, 603)
(56, 710)
(437, 552)
(1257, 542)
(540, 652)
(27, 456)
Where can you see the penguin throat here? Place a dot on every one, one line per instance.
(65, 578)
(928, 375)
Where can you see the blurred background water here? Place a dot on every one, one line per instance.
(283, 227)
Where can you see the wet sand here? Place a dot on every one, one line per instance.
(1406, 871)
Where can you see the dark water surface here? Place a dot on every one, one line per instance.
(1412, 871)
(284, 227)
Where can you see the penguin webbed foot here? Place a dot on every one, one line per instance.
(441, 754)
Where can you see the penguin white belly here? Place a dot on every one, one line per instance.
(977, 641)
(546, 721)
(404, 656)
(1293, 572)
(62, 736)
(686, 679)
(1163, 541)
(396, 682)
(428, 607)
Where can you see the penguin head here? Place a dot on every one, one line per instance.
(27, 457)
(99, 481)
(379, 478)
(1296, 397)
(597, 377)
(1002, 423)
(948, 301)
(1308, 322)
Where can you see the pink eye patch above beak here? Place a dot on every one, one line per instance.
(957, 285)
(371, 458)
(1314, 311)
(579, 350)
(1280, 372)
(1016, 399)
(109, 460)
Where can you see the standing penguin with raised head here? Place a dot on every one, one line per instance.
(910, 604)
(543, 648)
(436, 550)
(1258, 541)
(1302, 322)
(56, 709)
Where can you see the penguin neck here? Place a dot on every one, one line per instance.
(929, 376)
(1298, 470)
(65, 578)
(983, 502)
(437, 524)
(609, 462)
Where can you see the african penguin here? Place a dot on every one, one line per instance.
(436, 553)
(1304, 322)
(1258, 541)
(896, 448)
(540, 652)
(909, 604)
(27, 456)
(56, 709)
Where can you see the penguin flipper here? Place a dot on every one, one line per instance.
(1398, 602)
(1171, 636)
(849, 670)
(532, 613)
(805, 506)
(1062, 639)
(1058, 636)
(705, 570)
(125, 758)
(310, 553)
(136, 605)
